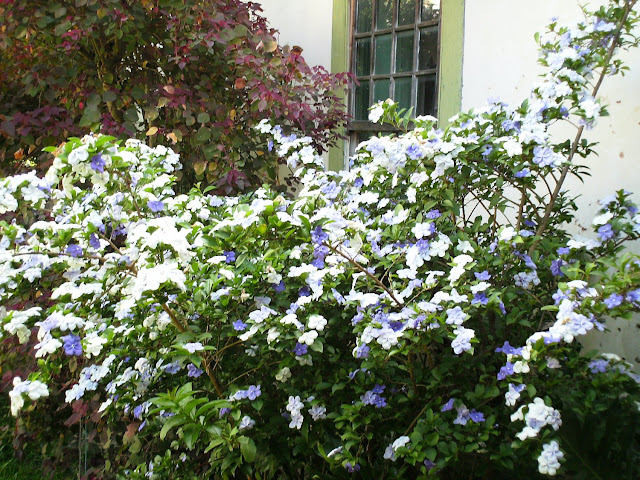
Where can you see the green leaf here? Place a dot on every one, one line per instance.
(203, 117)
(109, 96)
(248, 450)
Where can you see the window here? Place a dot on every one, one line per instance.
(394, 54)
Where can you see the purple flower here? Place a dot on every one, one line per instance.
(74, 250)
(507, 349)
(362, 351)
(72, 345)
(172, 368)
(556, 266)
(433, 214)
(239, 325)
(613, 300)
(483, 276)
(223, 412)
(634, 296)
(229, 256)
(300, 349)
(543, 156)
(280, 287)
(253, 392)
(605, 232)
(598, 366)
(97, 163)
(137, 412)
(352, 468)
(193, 371)
(525, 172)
(476, 416)
(270, 145)
(414, 152)
(304, 291)
(378, 388)
(505, 371)
(155, 205)
(318, 236)
(429, 464)
(93, 241)
(480, 298)
(563, 250)
(447, 406)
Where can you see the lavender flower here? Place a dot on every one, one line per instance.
(447, 406)
(155, 205)
(193, 371)
(74, 250)
(72, 345)
(97, 163)
(613, 300)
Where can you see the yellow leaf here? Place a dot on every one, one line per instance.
(270, 46)
(172, 136)
(152, 131)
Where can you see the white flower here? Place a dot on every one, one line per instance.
(507, 234)
(318, 412)
(421, 230)
(602, 219)
(317, 322)
(549, 459)
(284, 374)
(464, 246)
(246, 423)
(193, 347)
(308, 337)
(93, 345)
(376, 113)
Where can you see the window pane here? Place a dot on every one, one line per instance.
(428, 54)
(402, 92)
(363, 56)
(404, 51)
(363, 16)
(384, 13)
(362, 100)
(406, 12)
(430, 10)
(426, 104)
(380, 90)
(383, 54)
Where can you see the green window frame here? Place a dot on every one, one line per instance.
(447, 74)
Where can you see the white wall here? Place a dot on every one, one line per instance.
(305, 23)
(500, 60)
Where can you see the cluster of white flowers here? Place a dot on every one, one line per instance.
(34, 389)
(294, 407)
(536, 415)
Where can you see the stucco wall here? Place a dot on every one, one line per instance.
(304, 23)
(500, 60)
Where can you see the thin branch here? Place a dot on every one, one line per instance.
(366, 272)
(574, 147)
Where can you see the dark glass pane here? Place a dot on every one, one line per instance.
(406, 12)
(363, 16)
(363, 56)
(428, 53)
(380, 90)
(430, 10)
(426, 104)
(383, 55)
(362, 100)
(404, 51)
(363, 136)
(402, 92)
(384, 14)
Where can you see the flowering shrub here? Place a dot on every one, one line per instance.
(196, 74)
(412, 317)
